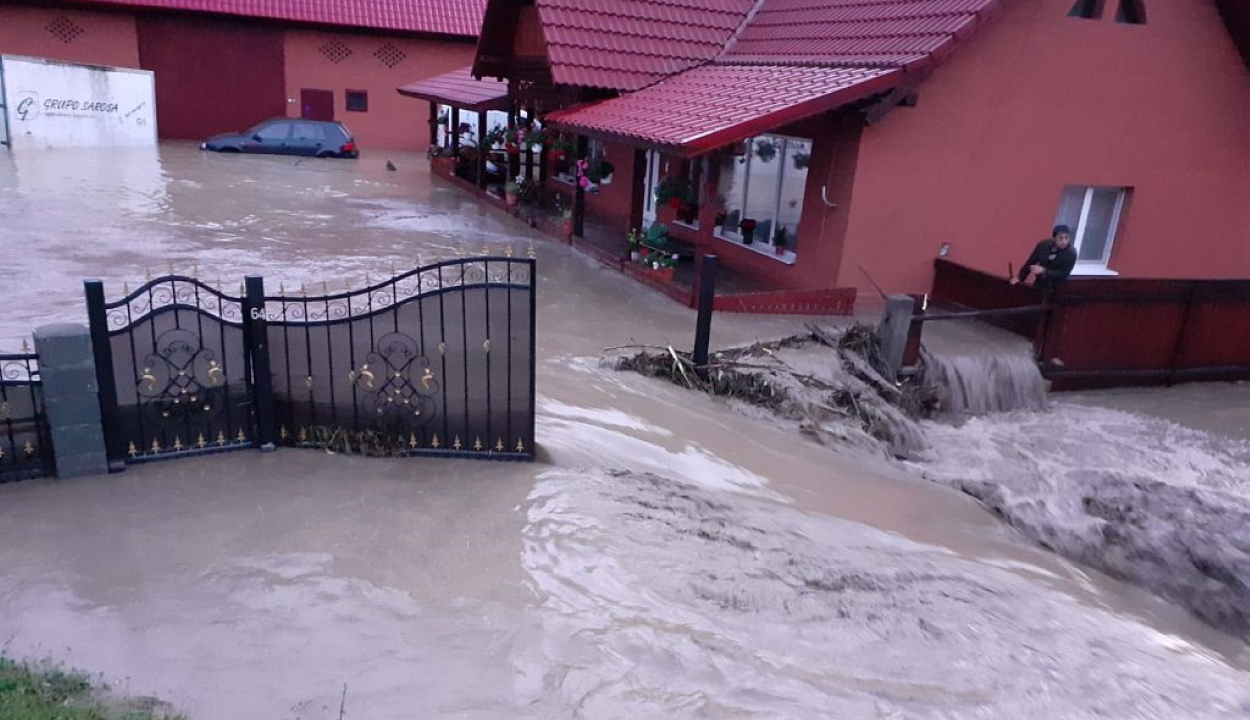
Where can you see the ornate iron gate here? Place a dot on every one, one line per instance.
(173, 367)
(439, 360)
(25, 442)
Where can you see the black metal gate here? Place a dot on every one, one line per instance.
(173, 369)
(439, 360)
(25, 445)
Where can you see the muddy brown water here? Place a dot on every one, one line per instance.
(737, 570)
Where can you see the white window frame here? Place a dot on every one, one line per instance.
(766, 248)
(1097, 267)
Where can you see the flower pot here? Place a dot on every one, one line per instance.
(536, 148)
(605, 180)
(634, 255)
(688, 213)
(674, 203)
(510, 198)
(779, 249)
(748, 236)
(513, 149)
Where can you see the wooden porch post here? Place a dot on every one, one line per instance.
(579, 194)
(482, 150)
(638, 189)
(453, 129)
(514, 161)
(433, 123)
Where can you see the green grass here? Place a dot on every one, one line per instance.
(32, 692)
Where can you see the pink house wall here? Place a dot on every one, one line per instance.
(1038, 100)
(392, 121)
(107, 38)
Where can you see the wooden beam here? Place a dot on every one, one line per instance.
(483, 149)
(579, 194)
(638, 189)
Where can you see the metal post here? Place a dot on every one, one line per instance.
(483, 149)
(256, 338)
(433, 124)
(703, 326)
(453, 129)
(638, 189)
(102, 350)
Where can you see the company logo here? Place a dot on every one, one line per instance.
(27, 106)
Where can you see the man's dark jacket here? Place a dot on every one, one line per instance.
(1058, 264)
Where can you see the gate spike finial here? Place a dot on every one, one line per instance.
(242, 290)
(531, 252)
(302, 289)
(195, 271)
(241, 437)
(393, 273)
(281, 288)
(477, 444)
(177, 444)
(199, 442)
(132, 451)
(171, 268)
(434, 442)
(412, 440)
(507, 251)
(499, 445)
(457, 444)
(221, 437)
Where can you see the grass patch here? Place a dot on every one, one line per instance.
(34, 692)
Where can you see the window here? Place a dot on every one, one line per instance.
(308, 131)
(1132, 12)
(1093, 213)
(357, 101)
(274, 131)
(1088, 9)
(764, 180)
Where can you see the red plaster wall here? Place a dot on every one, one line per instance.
(1038, 100)
(212, 76)
(392, 121)
(612, 202)
(109, 38)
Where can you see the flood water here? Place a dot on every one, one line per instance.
(669, 556)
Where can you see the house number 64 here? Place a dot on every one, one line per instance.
(258, 313)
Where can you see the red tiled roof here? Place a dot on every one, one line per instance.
(715, 105)
(855, 32)
(627, 45)
(790, 59)
(444, 17)
(461, 89)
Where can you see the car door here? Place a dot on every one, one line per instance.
(269, 138)
(307, 138)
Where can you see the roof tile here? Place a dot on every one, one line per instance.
(444, 17)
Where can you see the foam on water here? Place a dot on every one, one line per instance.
(988, 382)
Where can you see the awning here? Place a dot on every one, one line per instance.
(711, 106)
(460, 89)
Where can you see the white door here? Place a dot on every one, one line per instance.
(653, 181)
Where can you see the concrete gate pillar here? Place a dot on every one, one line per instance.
(71, 399)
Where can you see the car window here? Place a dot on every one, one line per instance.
(274, 131)
(308, 131)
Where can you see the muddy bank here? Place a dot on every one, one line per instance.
(1144, 500)
(825, 618)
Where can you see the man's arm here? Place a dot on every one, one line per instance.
(1034, 258)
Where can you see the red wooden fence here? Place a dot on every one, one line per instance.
(1109, 331)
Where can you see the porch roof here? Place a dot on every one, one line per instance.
(461, 89)
(712, 106)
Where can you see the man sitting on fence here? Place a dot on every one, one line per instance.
(1051, 262)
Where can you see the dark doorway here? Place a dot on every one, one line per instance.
(316, 104)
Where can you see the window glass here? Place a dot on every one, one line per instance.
(308, 131)
(733, 182)
(274, 131)
(357, 101)
(797, 156)
(764, 169)
(1096, 235)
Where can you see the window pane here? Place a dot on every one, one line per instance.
(308, 131)
(732, 186)
(276, 131)
(765, 169)
(1098, 232)
(1070, 204)
(797, 156)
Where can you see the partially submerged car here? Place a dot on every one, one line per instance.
(289, 136)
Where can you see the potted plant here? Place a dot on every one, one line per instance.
(511, 190)
(765, 150)
(444, 118)
(536, 139)
(495, 137)
(561, 148)
(568, 223)
(635, 245)
(674, 191)
(780, 238)
(747, 226)
(605, 172)
(802, 160)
